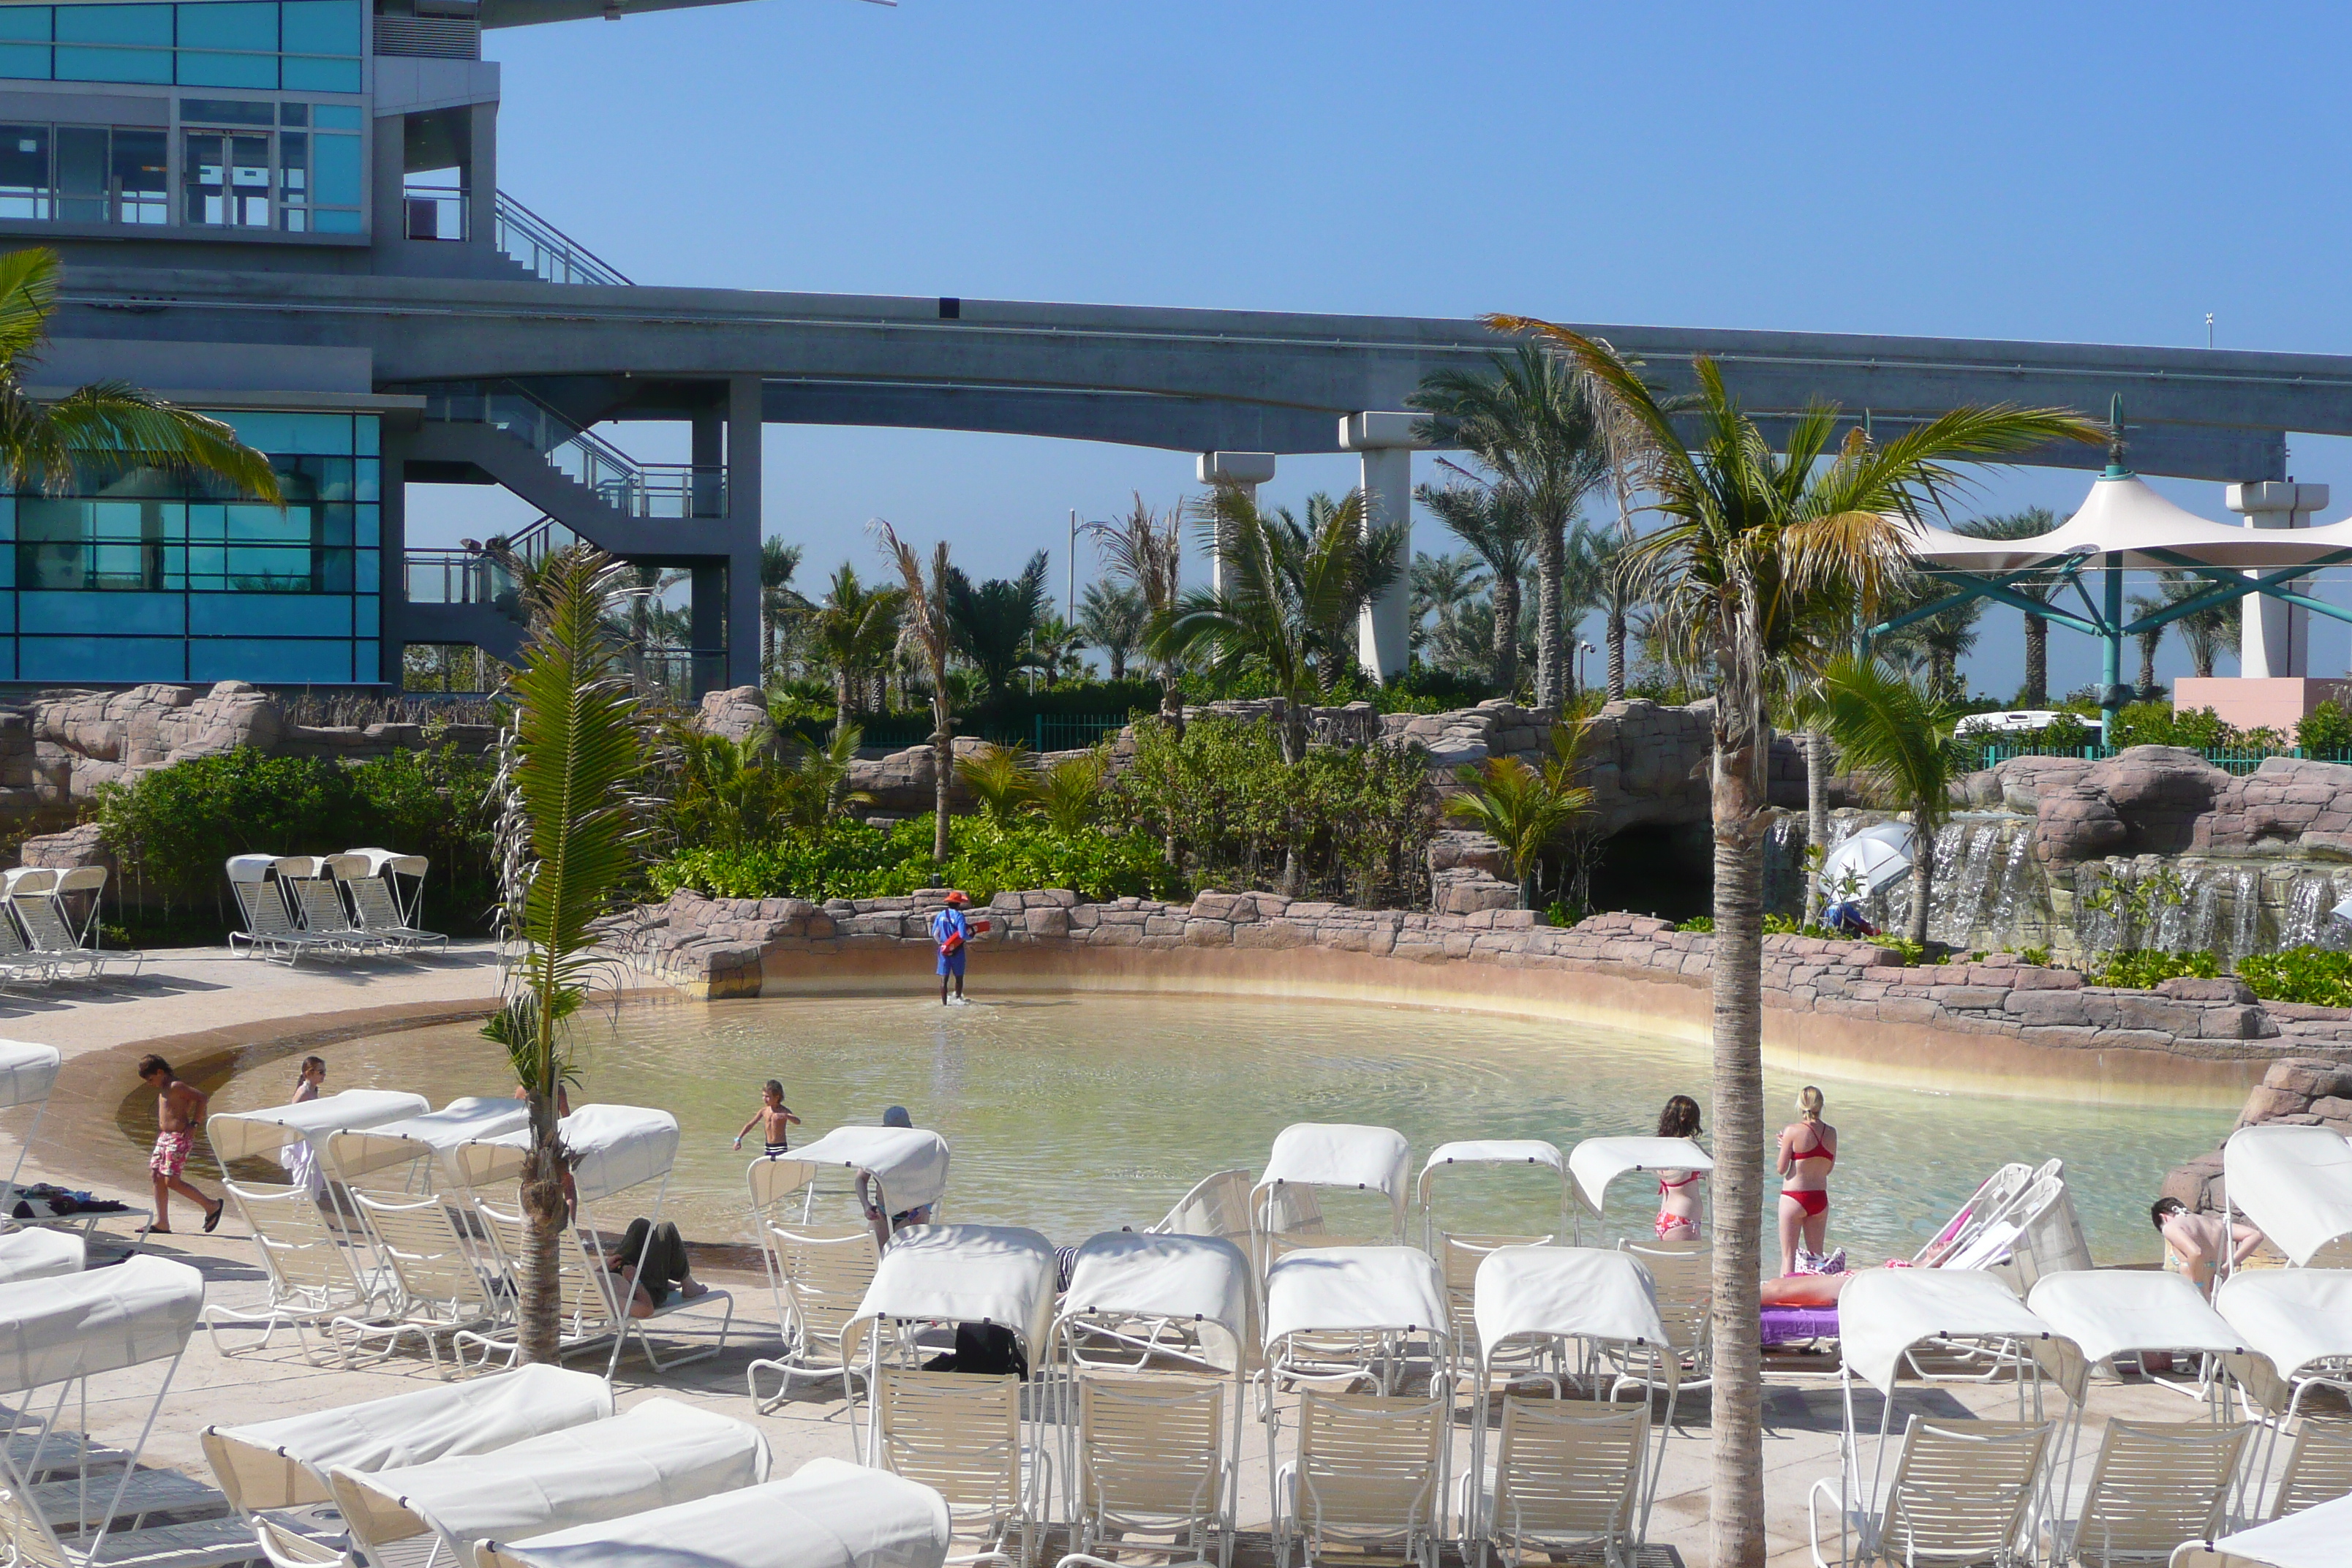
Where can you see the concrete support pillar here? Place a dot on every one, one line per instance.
(709, 461)
(741, 529)
(1247, 470)
(2274, 639)
(1387, 442)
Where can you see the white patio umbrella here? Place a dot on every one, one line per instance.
(1873, 859)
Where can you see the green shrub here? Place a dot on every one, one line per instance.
(852, 860)
(1704, 925)
(2325, 730)
(2317, 976)
(2140, 968)
(2158, 724)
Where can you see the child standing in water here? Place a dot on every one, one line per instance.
(773, 1118)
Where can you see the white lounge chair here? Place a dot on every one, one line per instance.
(2153, 1487)
(268, 932)
(312, 1275)
(1684, 1279)
(1367, 1477)
(1567, 1477)
(369, 877)
(29, 893)
(440, 1284)
(2319, 1466)
(56, 931)
(819, 1278)
(959, 1434)
(1962, 1494)
(1218, 1206)
(310, 879)
(1152, 1459)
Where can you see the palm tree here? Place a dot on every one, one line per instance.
(107, 424)
(2033, 521)
(777, 601)
(572, 755)
(1526, 810)
(854, 630)
(816, 790)
(1751, 541)
(1054, 647)
(1336, 568)
(1594, 578)
(925, 627)
(1899, 737)
(1531, 424)
(2209, 632)
(1444, 586)
(1111, 618)
(1934, 645)
(1147, 552)
(1494, 521)
(992, 622)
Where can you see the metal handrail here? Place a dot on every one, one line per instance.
(460, 577)
(627, 485)
(547, 251)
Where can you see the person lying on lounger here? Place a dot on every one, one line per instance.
(652, 1261)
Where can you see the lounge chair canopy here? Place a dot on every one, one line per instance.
(2312, 1539)
(1344, 1289)
(298, 866)
(618, 1146)
(1199, 1280)
(28, 881)
(250, 868)
(141, 1309)
(826, 1514)
(377, 860)
(1560, 1293)
(1597, 1161)
(1493, 1152)
(998, 1274)
(1886, 1311)
(909, 1162)
(28, 1072)
(38, 1252)
(2294, 1317)
(283, 1463)
(346, 865)
(1335, 1154)
(241, 1134)
(436, 1133)
(2294, 1183)
(2111, 1312)
(654, 1455)
(80, 879)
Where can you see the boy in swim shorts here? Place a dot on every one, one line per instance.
(179, 1111)
(773, 1118)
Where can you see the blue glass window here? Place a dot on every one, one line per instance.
(102, 659)
(25, 41)
(24, 23)
(246, 25)
(335, 116)
(75, 64)
(336, 165)
(202, 68)
(319, 27)
(147, 25)
(320, 661)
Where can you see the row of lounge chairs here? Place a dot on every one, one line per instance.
(49, 926)
(334, 906)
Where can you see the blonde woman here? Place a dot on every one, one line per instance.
(1808, 1150)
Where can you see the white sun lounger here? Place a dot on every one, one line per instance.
(2312, 1539)
(2294, 1184)
(1597, 1161)
(1310, 1159)
(268, 930)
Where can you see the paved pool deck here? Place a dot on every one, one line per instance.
(212, 1016)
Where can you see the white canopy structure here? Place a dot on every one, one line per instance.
(1530, 1153)
(1597, 1161)
(2313, 1539)
(908, 1163)
(2295, 1184)
(37, 1254)
(76, 1325)
(250, 870)
(828, 1514)
(1885, 1314)
(242, 1134)
(2109, 1312)
(284, 1463)
(435, 1136)
(1354, 1290)
(1196, 1282)
(1319, 1155)
(2298, 1319)
(655, 1455)
(996, 1274)
(1872, 860)
(618, 1146)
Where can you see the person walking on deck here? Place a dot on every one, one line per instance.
(179, 1111)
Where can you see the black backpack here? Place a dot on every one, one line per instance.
(986, 1348)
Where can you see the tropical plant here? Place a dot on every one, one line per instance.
(779, 601)
(1527, 810)
(106, 426)
(1757, 531)
(924, 631)
(2209, 632)
(1593, 578)
(998, 779)
(1069, 794)
(726, 791)
(1444, 586)
(854, 861)
(992, 622)
(1495, 522)
(853, 629)
(1932, 646)
(570, 827)
(1111, 617)
(2038, 586)
(1147, 551)
(1528, 422)
(816, 786)
(1899, 738)
(2149, 639)
(1054, 647)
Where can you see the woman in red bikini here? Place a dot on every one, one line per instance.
(1808, 1150)
(1678, 1200)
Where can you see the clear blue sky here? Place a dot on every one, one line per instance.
(2075, 172)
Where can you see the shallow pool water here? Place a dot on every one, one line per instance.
(1082, 1114)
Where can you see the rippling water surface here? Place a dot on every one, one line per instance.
(1084, 1113)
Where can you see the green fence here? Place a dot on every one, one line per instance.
(2228, 761)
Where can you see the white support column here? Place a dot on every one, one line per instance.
(1387, 443)
(2274, 639)
(1245, 470)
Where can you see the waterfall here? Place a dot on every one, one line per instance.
(2246, 912)
(2309, 898)
(1960, 906)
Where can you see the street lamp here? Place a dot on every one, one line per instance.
(1581, 650)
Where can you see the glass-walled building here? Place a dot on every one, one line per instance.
(142, 576)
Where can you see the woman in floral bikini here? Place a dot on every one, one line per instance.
(1678, 1199)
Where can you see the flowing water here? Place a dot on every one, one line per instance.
(1084, 1113)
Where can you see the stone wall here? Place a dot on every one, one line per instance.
(2303, 1091)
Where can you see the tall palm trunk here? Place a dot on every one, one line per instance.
(2037, 662)
(1817, 814)
(2148, 664)
(1923, 878)
(1505, 598)
(842, 683)
(1736, 1494)
(1617, 646)
(1551, 564)
(943, 774)
(545, 1213)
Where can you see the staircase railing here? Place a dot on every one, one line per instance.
(539, 246)
(627, 485)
